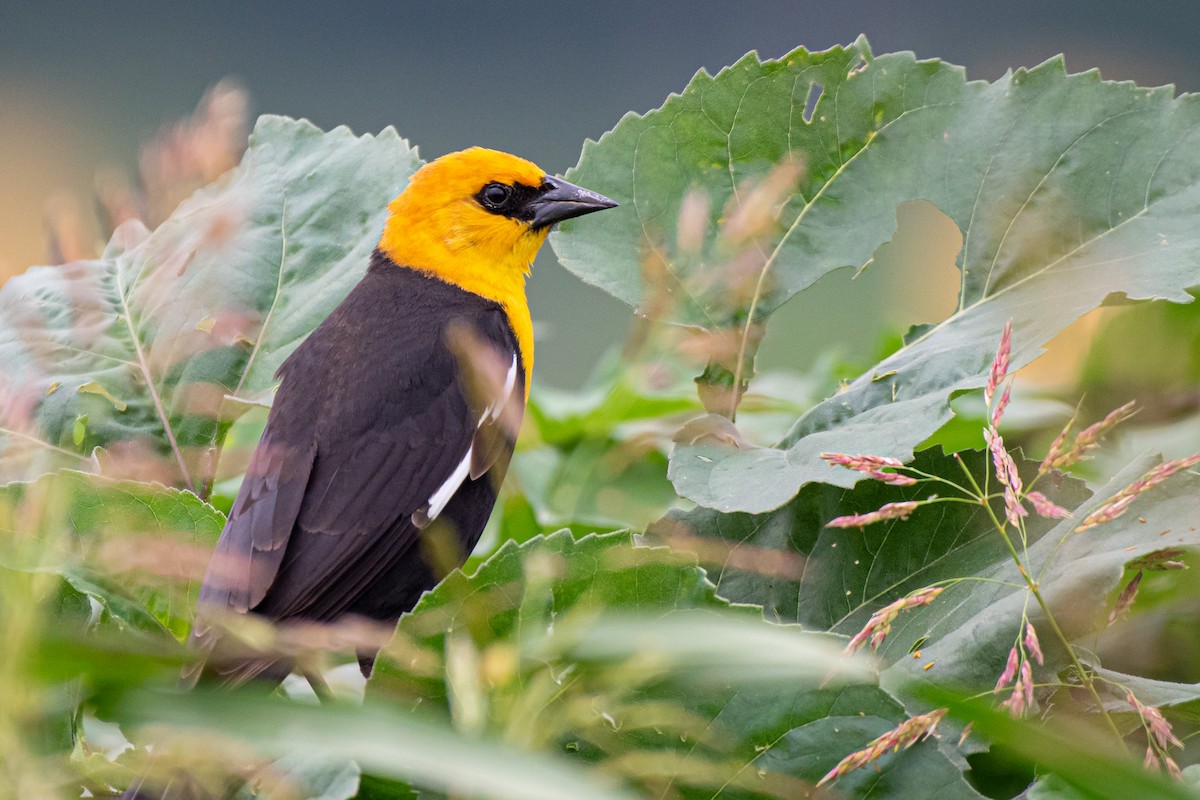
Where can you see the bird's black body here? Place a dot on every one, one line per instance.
(371, 419)
(395, 419)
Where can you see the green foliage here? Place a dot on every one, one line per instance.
(543, 646)
(660, 604)
(110, 525)
(152, 349)
(1079, 764)
(381, 740)
(839, 578)
(1066, 189)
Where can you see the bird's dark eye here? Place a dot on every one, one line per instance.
(495, 194)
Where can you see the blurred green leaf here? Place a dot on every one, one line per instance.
(380, 740)
(624, 656)
(610, 399)
(592, 460)
(523, 590)
(594, 484)
(99, 533)
(316, 779)
(1087, 763)
(79, 430)
(1051, 787)
(705, 648)
(371, 787)
(595, 460)
(105, 659)
(146, 342)
(1152, 349)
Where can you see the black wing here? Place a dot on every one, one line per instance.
(371, 435)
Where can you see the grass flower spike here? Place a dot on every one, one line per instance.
(880, 623)
(903, 736)
(890, 511)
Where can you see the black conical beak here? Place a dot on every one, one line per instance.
(561, 200)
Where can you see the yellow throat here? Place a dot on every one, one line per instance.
(437, 226)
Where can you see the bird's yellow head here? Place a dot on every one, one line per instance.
(477, 218)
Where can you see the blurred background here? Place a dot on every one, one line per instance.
(83, 86)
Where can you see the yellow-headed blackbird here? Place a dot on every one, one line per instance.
(375, 433)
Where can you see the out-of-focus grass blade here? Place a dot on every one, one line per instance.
(381, 741)
(709, 646)
(106, 659)
(1082, 757)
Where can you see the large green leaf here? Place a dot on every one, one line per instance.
(719, 136)
(1067, 189)
(833, 579)
(624, 656)
(972, 630)
(137, 352)
(838, 578)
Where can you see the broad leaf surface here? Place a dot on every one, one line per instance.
(137, 352)
(838, 578)
(1066, 189)
(1182, 699)
(972, 631)
(625, 656)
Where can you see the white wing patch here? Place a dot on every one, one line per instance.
(441, 497)
(510, 382)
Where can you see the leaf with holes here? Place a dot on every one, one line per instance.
(140, 351)
(1066, 188)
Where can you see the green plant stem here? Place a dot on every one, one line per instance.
(1037, 595)
(976, 579)
(930, 477)
(319, 686)
(1045, 685)
(965, 500)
